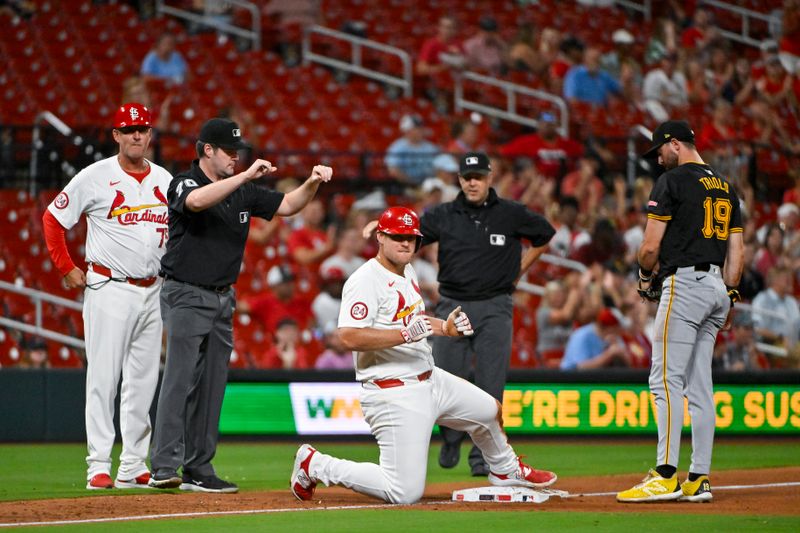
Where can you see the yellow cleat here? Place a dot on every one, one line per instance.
(698, 490)
(653, 488)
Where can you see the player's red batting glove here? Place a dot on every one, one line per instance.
(418, 329)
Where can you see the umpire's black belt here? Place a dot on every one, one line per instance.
(216, 288)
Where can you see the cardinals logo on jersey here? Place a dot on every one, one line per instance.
(406, 312)
(131, 215)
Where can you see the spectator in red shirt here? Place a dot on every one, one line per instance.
(775, 87)
(439, 57)
(286, 351)
(606, 246)
(700, 34)
(790, 41)
(551, 152)
(792, 196)
(770, 255)
(309, 244)
(765, 128)
(583, 184)
(718, 135)
(279, 303)
(768, 48)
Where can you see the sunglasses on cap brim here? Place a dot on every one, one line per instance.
(131, 129)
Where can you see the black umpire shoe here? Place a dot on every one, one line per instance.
(449, 455)
(479, 469)
(207, 484)
(164, 479)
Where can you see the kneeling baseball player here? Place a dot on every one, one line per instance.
(403, 395)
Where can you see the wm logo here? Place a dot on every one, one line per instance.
(333, 408)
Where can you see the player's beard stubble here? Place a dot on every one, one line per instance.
(670, 160)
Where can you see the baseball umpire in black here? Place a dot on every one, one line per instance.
(209, 218)
(480, 260)
(690, 261)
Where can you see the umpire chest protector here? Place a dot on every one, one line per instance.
(480, 245)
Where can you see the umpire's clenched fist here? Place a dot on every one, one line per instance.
(321, 173)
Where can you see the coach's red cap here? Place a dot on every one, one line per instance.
(131, 114)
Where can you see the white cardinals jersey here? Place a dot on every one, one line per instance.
(127, 221)
(374, 297)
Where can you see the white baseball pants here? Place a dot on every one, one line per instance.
(402, 418)
(122, 326)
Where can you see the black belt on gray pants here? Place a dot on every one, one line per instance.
(216, 288)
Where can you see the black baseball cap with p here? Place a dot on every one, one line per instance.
(665, 132)
(474, 163)
(223, 133)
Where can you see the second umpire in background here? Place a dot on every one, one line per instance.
(209, 218)
(480, 260)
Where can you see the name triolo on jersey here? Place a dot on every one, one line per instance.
(694, 200)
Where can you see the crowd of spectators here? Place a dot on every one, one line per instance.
(746, 111)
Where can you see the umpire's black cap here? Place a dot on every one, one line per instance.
(474, 163)
(223, 133)
(671, 129)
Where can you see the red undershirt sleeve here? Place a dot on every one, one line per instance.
(57, 243)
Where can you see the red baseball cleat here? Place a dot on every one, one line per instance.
(301, 482)
(99, 482)
(524, 476)
(139, 482)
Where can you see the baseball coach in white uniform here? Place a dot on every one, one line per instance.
(124, 200)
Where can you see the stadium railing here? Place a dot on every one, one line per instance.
(748, 18)
(208, 18)
(355, 64)
(37, 328)
(512, 92)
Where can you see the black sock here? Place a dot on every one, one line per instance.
(694, 477)
(666, 471)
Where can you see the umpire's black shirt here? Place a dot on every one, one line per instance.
(206, 248)
(479, 245)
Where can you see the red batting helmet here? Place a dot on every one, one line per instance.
(131, 114)
(399, 221)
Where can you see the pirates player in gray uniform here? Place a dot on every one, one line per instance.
(690, 261)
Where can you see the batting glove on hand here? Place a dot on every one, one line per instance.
(458, 324)
(418, 329)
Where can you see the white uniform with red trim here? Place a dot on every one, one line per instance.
(127, 233)
(403, 395)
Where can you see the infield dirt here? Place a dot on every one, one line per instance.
(748, 501)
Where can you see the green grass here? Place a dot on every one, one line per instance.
(370, 521)
(266, 466)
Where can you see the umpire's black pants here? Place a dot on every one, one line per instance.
(490, 346)
(199, 327)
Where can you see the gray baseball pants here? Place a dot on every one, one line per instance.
(199, 327)
(490, 346)
(693, 307)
